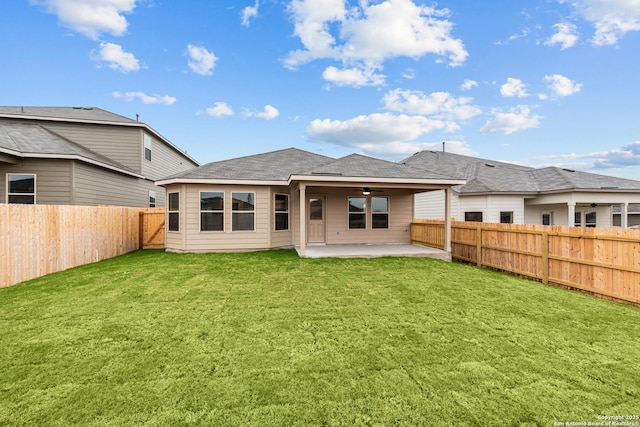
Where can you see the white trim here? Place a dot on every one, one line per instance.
(388, 212)
(277, 212)
(253, 230)
(366, 202)
(219, 182)
(35, 186)
(70, 157)
(173, 211)
(200, 211)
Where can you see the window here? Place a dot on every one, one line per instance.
(577, 219)
(152, 199)
(506, 217)
(211, 211)
(174, 211)
(547, 218)
(590, 219)
(147, 147)
(379, 212)
(242, 211)
(21, 189)
(357, 212)
(473, 216)
(281, 207)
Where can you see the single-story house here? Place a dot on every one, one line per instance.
(83, 156)
(294, 198)
(509, 193)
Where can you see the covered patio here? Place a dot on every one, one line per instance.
(373, 251)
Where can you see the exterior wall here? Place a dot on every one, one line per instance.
(120, 143)
(533, 214)
(633, 219)
(189, 238)
(281, 238)
(431, 205)
(165, 161)
(98, 186)
(52, 179)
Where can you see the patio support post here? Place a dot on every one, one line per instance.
(447, 219)
(571, 219)
(624, 215)
(303, 219)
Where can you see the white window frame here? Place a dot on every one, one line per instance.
(593, 224)
(146, 145)
(222, 211)
(153, 200)
(173, 211)
(241, 212)
(543, 213)
(35, 186)
(387, 212)
(364, 214)
(506, 212)
(276, 212)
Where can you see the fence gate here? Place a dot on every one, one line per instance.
(152, 229)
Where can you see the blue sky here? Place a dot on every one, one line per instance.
(539, 83)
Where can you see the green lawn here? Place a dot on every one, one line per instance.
(267, 338)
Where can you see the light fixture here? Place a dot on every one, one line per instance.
(366, 191)
(594, 205)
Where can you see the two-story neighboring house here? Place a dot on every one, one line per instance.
(83, 156)
(509, 193)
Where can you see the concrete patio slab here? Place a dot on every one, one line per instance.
(374, 251)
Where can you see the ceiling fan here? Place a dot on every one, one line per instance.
(366, 191)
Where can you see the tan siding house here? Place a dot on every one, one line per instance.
(83, 156)
(293, 198)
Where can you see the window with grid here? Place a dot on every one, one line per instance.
(211, 211)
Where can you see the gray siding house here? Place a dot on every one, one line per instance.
(508, 193)
(294, 198)
(83, 156)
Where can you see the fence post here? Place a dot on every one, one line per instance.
(140, 230)
(479, 245)
(545, 257)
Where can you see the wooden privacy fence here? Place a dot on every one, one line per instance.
(40, 239)
(602, 261)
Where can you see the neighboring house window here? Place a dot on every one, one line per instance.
(174, 211)
(211, 211)
(21, 188)
(281, 207)
(577, 219)
(152, 199)
(379, 212)
(242, 211)
(147, 147)
(506, 217)
(547, 218)
(357, 212)
(473, 216)
(590, 219)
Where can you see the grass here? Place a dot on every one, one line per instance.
(267, 338)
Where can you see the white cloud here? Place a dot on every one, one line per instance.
(373, 129)
(409, 74)
(366, 35)
(514, 88)
(116, 58)
(612, 19)
(516, 119)
(268, 113)
(566, 35)
(619, 157)
(249, 12)
(219, 109)
(468, 84)
(91, 17)
(561, 85)
(201, 61)
(355, 77)
(144, 98)
(440, 105)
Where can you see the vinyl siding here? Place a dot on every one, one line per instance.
(165, 161)
(53, 179)
(430, 205)
(281, 238)
(533, 214)
(119, 143)
(227, 240)
(98, 186)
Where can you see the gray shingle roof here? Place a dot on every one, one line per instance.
(33, 140)
(272, 166)
(357, 165)
(92, 114)
(488, 176)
